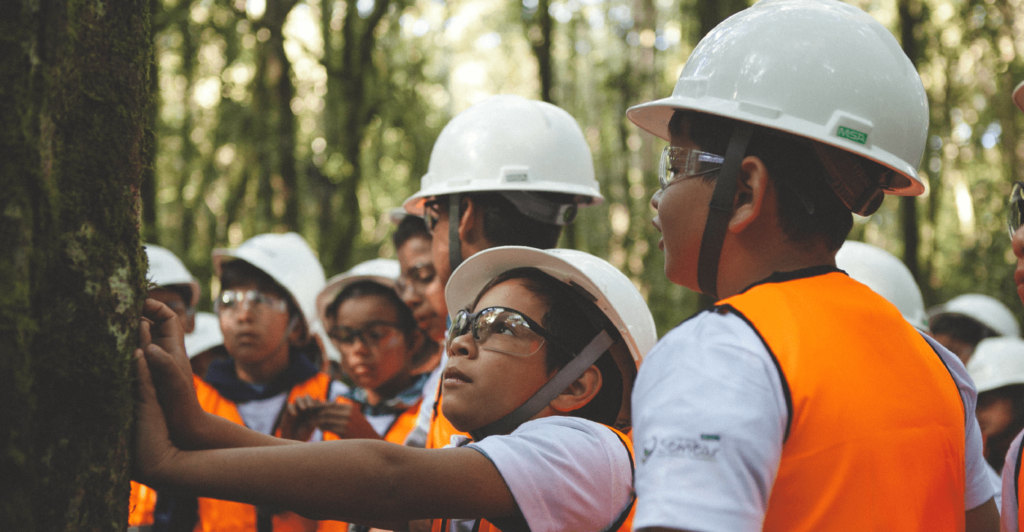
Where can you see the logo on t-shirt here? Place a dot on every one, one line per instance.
(704, 449)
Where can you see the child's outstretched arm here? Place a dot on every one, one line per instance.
(361, 481)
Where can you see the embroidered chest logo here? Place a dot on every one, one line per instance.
(705, 448)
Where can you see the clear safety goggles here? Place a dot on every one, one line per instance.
(251, 300)
(372, 334)
(1014, 214)
(679, 163)
(502, 330)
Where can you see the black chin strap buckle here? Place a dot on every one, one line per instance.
(454, 219)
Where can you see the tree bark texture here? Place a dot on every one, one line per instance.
(74, 107)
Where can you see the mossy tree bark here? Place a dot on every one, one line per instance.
(74, 104)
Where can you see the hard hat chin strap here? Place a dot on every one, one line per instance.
(720, 210)
(454, 219)
(547, 393)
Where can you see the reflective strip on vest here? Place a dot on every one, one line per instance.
(227, 516)
(875, 436)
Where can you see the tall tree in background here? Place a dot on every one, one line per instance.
(74, 104)
(911, 12)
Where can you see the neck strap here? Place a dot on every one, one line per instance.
(720, 211)
(454, 244)
(565, 376)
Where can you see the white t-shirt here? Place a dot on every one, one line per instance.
(565, 473)
(1008, 510)
(709, 417)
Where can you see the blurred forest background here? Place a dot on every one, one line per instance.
(318, 116)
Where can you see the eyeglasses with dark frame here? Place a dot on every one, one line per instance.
(372, 333)
(251, 300)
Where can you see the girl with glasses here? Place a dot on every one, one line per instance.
(541, 365)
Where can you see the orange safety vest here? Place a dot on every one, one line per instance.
(1016, 488)
(623, 524)
(228, 516)
(141, 504)
(875, 435)
(399, 429)
(441, 430)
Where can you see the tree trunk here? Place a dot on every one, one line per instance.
(74, 104)
(910, 12)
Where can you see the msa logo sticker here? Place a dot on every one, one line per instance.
(852, 134)
(704, 449)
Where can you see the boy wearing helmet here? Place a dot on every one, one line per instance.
(507, 171)
(541, 362)
(803, 400)
(967, 319)
(266, 309)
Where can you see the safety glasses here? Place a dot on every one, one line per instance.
(251, 300)
(372, 334)
(502, 330)
(679, 163)
(1013, 217)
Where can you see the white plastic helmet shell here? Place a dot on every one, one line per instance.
(287, 259)
(985, 309)
(507, 143)
(165, 269)
(997, 362)
(383, 271)
(205, 336)
(820, 69)
(610, 290)
(882, 272)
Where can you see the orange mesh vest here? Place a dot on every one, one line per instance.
(441, 430)
(875, 436)
(1016, 487)
(227, 516)
(399, 429)
(623, 524)
(141, 504)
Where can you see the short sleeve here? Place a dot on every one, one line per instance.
(1009, 510)
(709, 418)
(977, 483)
(565, 473)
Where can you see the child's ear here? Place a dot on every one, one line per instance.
(751, 188)
(580, 392)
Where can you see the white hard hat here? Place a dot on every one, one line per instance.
(612, 292)
(997, 362)
(383, 271)
(205, 336)
(819, 69)
(1018, 96)
(508, 143)
(984, 309)
(166, 269)
(882, 272)
(287, 259)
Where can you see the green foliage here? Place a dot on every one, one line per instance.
(374, 82)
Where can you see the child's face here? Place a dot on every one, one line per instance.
(682, 212)
(417, 275)
(256, 334)
(374, 351)
(479, 385)
(995, 413)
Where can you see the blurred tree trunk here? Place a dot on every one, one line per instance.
(355, 89)
(74, 104)
(710, 13)
(910, 15)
